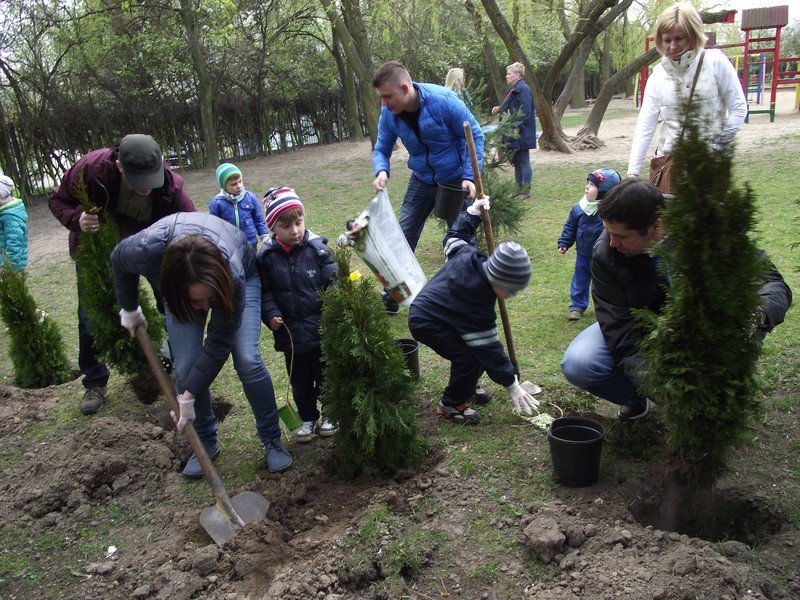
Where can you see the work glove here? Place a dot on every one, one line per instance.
(131, 319)
(523, 401)
(186, 406)
(482, 202)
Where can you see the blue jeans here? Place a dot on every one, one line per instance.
(417, 206)
(581, 280)
(186, 342)
(523, 172)
(589, 365)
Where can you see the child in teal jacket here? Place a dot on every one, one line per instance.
(13, 227)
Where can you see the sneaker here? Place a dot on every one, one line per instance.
(391, 307)
(93, 399)
(634, 412)
(461, 414)
(278, 459)
(575, 315)
(306, 431)
(193, 469)
(327, 429)
(481, 396)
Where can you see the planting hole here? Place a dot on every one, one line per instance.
(713, 515)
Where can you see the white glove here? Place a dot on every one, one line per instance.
(131, 319)
(186, 406)
(482, 202)
(523, 401)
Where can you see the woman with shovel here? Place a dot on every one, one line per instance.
(205, 269)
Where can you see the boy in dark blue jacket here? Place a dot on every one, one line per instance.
(584, 227)
(236, 205)
(295, 265)
(454, 315)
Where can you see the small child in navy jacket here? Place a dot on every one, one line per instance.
(236, 205)
(295, 265)
(454, 315)
(584, 227)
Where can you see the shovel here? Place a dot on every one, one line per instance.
(223, 520)
(529, 387)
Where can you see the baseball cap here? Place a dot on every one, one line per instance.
(141, 162)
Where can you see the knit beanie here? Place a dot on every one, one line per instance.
(508, 267)
(225, 171)
(6, 185)
(279, 200)
(604, 179)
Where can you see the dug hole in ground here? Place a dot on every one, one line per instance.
(446, 532)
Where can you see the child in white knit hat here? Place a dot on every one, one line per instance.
(13, 227)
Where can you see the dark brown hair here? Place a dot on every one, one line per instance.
(634, 203)
(194, 259)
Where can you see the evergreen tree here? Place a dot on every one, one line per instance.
(34, 343)
(702, 350)
(367, 389)
(114, 343)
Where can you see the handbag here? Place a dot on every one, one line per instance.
(661, 166)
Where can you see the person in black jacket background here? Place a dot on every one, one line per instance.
(604, 358)
(454, 316)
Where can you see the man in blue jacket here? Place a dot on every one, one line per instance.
(429, 119)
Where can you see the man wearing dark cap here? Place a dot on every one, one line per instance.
(133, 184)
(454, 316)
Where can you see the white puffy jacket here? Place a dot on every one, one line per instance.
(718, 99)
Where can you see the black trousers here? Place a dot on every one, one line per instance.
(305, 376)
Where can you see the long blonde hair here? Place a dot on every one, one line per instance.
(455, 80)
(685, 17)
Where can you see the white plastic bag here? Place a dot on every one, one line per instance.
(381, 244)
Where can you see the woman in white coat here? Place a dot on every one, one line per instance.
(718, 99)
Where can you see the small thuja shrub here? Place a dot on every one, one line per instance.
(701, 351)
(368, 388)
(506, 212)
(113, 342)
(34, 343)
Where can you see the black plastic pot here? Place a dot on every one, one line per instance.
(410, 350)
(449, 202)
(575, 447)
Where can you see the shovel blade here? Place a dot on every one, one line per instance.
(251, 507)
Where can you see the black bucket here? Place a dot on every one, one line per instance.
(575, 445)
(449, 202)
(410, 350)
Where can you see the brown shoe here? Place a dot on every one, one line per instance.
(575, 315)
(93, 400)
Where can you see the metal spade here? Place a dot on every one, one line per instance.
(223, 520)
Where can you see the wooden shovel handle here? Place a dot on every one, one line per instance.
(487, 231)
(223, 500)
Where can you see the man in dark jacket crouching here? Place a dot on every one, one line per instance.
(604, 359)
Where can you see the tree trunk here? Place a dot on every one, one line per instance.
(605, 58)
(552, 136)
(495, 69)
(354, 133)
(361, 68)
(578, 97)
(205, 91)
